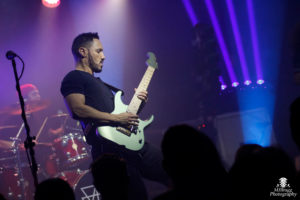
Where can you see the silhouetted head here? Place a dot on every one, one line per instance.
(189, 154)
(2, 197)
(295, 45)
(54, 188)
(261, 170)
(110, 177)
(295, 121)
(247, 150)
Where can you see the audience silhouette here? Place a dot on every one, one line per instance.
(245, 150)
(256, 173)
(193, 164)
(54, 188)
(110, 176)
(295, 121)
(295, 131)
(2, 197)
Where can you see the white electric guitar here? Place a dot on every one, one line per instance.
(131, 137)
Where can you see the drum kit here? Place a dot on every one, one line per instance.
(64, 154)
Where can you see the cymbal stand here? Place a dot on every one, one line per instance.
(17, 136)
(18, 167)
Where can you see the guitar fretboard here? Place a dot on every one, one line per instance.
(135, 102)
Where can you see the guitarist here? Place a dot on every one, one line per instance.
(91, 101)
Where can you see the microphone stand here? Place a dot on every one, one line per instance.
(28, 143)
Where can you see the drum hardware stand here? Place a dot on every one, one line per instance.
(17, 136)
(41, 129)
(28, 143)
(18, 167)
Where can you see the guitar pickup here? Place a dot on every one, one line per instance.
(124, 131)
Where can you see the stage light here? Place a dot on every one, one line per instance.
(201, 126)
(247, 82)
(235, 84)
(51, 3)
(260, 82)
(222, 82)
(223, 87)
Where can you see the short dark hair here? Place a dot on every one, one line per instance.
(82, 40)
(109, 172)
(54, 188)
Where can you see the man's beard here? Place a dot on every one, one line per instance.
(93, 65)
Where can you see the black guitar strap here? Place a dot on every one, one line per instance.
(113, 88)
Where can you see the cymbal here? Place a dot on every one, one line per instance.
(8, 145)
(7, 126)
(4, 144)
(30, 107)
(45, 144)
(59, 115)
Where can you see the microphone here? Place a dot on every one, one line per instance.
(10, 55)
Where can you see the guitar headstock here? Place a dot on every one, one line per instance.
(151, 61)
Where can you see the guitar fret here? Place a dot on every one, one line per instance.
(135, 103)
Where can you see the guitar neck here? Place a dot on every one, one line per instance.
(135, 102)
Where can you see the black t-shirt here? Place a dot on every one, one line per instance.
(97, 94)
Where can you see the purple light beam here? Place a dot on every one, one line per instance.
(221, 41)
(254, 40)
(189, 9)
(237, 38)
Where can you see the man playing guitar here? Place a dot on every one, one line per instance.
(91, 101)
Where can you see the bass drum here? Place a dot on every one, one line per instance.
(84, 188)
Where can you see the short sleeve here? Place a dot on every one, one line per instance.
(72, 83)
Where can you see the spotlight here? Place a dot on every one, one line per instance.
(237, 38)
(223, 87)
(235, 84)
(254, 40)
(51, 3)
(220, 40)
(260, 82)
(247, 82)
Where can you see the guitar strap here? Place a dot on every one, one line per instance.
(113, 88)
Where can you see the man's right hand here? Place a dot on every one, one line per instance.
(127, 119)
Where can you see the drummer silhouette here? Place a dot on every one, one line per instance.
(59, 146)
(14, 165)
